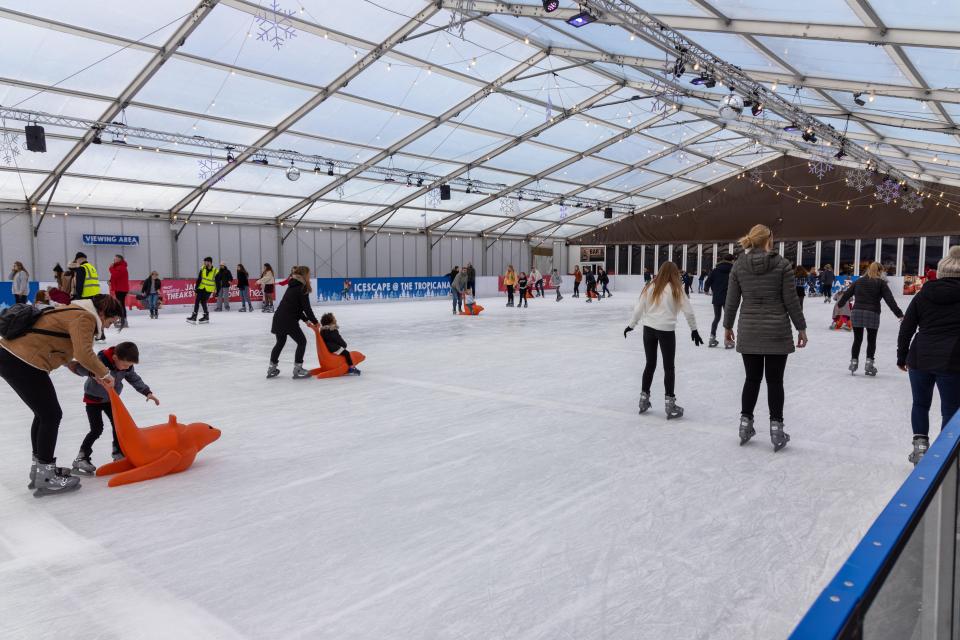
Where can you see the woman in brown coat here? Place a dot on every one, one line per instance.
(57, 337)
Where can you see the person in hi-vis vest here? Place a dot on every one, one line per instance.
(206, 284)
(86, 281)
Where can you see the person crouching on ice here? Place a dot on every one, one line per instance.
(294, 307)
(470, 301)
(330, 332)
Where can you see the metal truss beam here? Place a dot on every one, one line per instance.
(176, 39)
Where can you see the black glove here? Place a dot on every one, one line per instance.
(626, 331)
(695, 336)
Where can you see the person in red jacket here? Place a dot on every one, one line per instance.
(120, 284)
(931, 274)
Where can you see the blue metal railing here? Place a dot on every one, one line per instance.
(840, 610)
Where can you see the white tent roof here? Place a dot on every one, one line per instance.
(488, 107)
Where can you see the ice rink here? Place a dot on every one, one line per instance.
(485, 478)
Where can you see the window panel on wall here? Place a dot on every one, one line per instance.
(828, 250)
(706, 255)
(636, 266)
(888, 255)
(934, 252)
(910, 261)
(611, 261)
(790, 251)
(847, 257)
(692, 259)
(677, 256)
(650, 259)
(808, 254)
(868, 253)
(622, 259)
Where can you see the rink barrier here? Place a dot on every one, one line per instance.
(902, 580)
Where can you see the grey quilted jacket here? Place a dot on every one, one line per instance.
(765, 282)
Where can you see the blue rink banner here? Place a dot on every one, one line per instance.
(6, 293)
(336, 289)
(126, 241)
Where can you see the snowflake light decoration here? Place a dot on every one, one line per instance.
(459, 15)
(859, 179)
(433, 198)
(755, 175)
(9, 147)
(208, 167)
(911, 201)
(888, 191)
(508, 206)
(274, 25)
(340, 191)
(820, 166)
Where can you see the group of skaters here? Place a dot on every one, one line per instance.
(217, 281)
(762, 287)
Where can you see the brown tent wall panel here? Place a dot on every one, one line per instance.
(740, 203)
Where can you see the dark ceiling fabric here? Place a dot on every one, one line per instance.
(745, 204)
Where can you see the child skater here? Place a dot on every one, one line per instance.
(330, 332)
(842, 315)
(470, 301)
(120, 360)
(556, 281)
(522, 283)
(657, 310)
(294, 307)
(591, 285)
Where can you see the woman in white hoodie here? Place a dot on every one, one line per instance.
(660, 303)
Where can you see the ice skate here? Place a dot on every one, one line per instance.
(299, 372)
(117, 454)
(204, 319)
(778, 436)
(869, 368)
(63, 471)
(713, 342)
(353, 371)
(854, 365)
(644, 402)
(243, 309)
(48, 480)
(671, 408)
(83, 466)
(192, 317)
(729, 344)
(920, 446)
(746, 430)
(273, 371)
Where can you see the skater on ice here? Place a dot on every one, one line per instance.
(293, 308)
(716, 285)
(267, 282)
(150, 293)
(330, 332)
(509, 282)
(556, 281)
(522, 283)
(205, 286)
(867, 292)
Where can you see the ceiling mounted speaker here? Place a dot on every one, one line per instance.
(608, 212)
(36, 140)
(444, 192)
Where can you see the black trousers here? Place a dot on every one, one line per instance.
(36, 390)
(95, 417)
(121, 296)
(19, 299)
(858, 341)
(538, 287)
(297, 335)
(757, 367)
(606, 290)
(346, 356)
(201, 301)
(509, 294)
(667, 341)
(576, 289)
(717, 312)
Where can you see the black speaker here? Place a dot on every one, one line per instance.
(608, 213)
(444, 192)
(36, 140)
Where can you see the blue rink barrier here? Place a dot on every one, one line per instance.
(903, 580)
(6, 293)
(332, 289)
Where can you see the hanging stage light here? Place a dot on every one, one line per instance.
(706, 80)
(230, 158)
(550, 5)
(329, 168)
(582, 19)
(857, 99)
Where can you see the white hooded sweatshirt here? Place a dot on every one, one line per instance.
(662, 315)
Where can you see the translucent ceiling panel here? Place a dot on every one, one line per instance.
(673, 163)
(192, 126)
(592, 218)
(56, 150)
(834, 59)
(52, 57)
(206, 90)
(410, 87)
(577, 134)
(626, 108)
(120, 161)
(496, 177)
(817, 11)
(632, 150)
(942, 15)
(498, 113)
(668, 189)
(935, 64)
(239, 204)
(556, 186)
(564, 88)
(273, 180)
(341, 119)
(341, 212)
(588, 170)
(525, 227)
(677, 133)
(527, 158)
(11, 187)
(735, 50)
(230, 36)
(915, 135)
(370, 20)
(51, 102)
(618, 41)
(599, 194)
(710, 173)
(484, 53)
(412, 218)
(632, 181)
(452, 143)
(472, 223)
(882, 105)
(106, 193)
(322, 148)
(567, 231)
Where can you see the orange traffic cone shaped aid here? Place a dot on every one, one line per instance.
(154, 451)
(332, 365)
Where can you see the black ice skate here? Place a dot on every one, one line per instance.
(869, 368)
(48, 480)
(778, 436)
(192, 317)
(273, 371)
(644, 402)
(746, 430)
(854, 365)
(299, 372)
(204, 319)
(671, 408)
(713, 342)
(920, 446)
(83, 466)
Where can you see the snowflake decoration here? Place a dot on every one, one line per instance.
(859, 179)
(820, 166)
(274, 25)
(888, 191)
(340, 191)
(508, 206)
(208, 167)
(756, 176)
(9, 147)
(563, 212)
(433, 198)
(459, 15)
(911, 201)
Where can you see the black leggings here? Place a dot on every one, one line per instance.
(201, 301)
(717, 312)
(509, 294)
(757, 367)
(19, 299)
(858, 341)
(95, 416)
(297, 335)
(606, 291)
(668, 347)
(576, 289)
(36, 390)
(121, 297)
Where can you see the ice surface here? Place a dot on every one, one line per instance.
(484, 478)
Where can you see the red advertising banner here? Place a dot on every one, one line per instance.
(183, 292)
(546, 283)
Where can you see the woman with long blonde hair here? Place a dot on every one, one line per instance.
(765, 281)
(660, 303)
(867, 292)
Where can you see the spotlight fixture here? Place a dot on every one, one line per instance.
(96, 136)
(582, 19)
(840, 155)
(706, 80)
(419, 181)
(329, 168)
(679, 68)
(230, 158)
(469, 187)
(791, 128)
(389, 178)
(316, 170)
(809, 136)
(260, 159)
(756, 107)
(860, 101)
(550, 5)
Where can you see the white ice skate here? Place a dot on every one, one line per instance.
(713, 342)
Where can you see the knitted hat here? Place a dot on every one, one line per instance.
(80, 254)
(949, 267)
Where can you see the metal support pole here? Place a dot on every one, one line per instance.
(363, 253)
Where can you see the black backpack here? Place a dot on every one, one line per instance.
(18, 320)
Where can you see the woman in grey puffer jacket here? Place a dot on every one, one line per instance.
(765, 281)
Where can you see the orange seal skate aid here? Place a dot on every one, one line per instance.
(332, 365)
(154, 451)
(476, 310)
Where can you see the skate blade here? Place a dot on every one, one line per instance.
(643, 410)
(745, 439)
(80, 472)
(272, 375)
(778, 447)
(39, 493)
(674, 416)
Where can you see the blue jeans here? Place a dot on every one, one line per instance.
(457, 300)
(922, 383)
(152, 300)
(245, 298)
